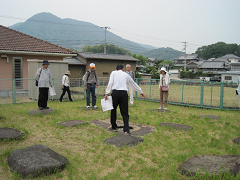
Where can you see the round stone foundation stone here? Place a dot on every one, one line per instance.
(44, 111)
(10, 134)
(124, 140)
(71, 123)
(211, 165)
(35, 160)
(176, 126)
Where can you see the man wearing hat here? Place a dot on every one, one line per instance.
(43, 76)
(91, 83)
(65, 83)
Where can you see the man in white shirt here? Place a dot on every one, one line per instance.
(118, 82)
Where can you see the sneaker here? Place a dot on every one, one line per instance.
(95, 106)
(160, 108)
(127, 133)
(165, 108)
(88, 107)
(60, 101)
(114, 129)
(46, 108)
(71, 101)
(40, 108)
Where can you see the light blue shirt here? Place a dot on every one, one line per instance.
(44, 77)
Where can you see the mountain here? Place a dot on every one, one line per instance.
(74, 34)
(163, 53)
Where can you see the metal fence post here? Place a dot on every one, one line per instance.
(182, 91)
(14, 90)
(150, 89)
(136, 93)
(202, 93)
(211, 94)
(221, 96)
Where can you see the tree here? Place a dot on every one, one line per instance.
(217, 50)
(143, 60)
(111, 49)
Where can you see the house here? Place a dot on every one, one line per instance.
(232, 75)
(212, 66)
(151, 61)
(227, 59)
(16, 48)
(106, 63)
(192, 61)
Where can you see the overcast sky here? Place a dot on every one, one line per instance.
(160, 23)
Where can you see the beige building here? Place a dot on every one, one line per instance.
(106, 63)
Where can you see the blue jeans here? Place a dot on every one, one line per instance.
(91, 89)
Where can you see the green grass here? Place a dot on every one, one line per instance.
(158, 157)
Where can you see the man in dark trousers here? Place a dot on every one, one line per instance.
(118, 82)
(43, 76)
(91, 83)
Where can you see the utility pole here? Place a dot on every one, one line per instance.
(105, 46)
(185, 48)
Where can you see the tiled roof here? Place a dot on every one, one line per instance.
(89, 55)
(212, 64)
(188, 56)
(226, 57)
(12, 40)
(74, 60)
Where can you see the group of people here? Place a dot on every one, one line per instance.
(120, 84)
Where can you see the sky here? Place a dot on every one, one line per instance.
(160, 23)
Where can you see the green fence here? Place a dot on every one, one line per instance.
(213, 95)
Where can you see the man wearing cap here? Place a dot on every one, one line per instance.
(43, 76)
(65, 83)
(130, 89)
(118, 85)
(91, 83)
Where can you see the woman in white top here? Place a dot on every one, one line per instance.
(164, 81)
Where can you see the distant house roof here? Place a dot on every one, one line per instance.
(12, 40)
(212, 65)
(226, 57)
(88, 55)
(74, 60)
(151, 59)
(188, 56)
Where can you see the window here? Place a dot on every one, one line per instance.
(17, 71)
(228, 77)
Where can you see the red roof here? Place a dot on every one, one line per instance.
(12, 40)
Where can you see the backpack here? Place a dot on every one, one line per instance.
(89, 75)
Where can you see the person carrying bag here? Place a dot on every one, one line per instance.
(65, 87)
(164, 87)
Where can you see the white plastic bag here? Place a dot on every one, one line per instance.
(107, 104)
(52, 91)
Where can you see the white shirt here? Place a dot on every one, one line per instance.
(65, 80)
(118, 81)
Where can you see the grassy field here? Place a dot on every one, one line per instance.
(158, 157)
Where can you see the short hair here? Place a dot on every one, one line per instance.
(119, 67)
(128, 65)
